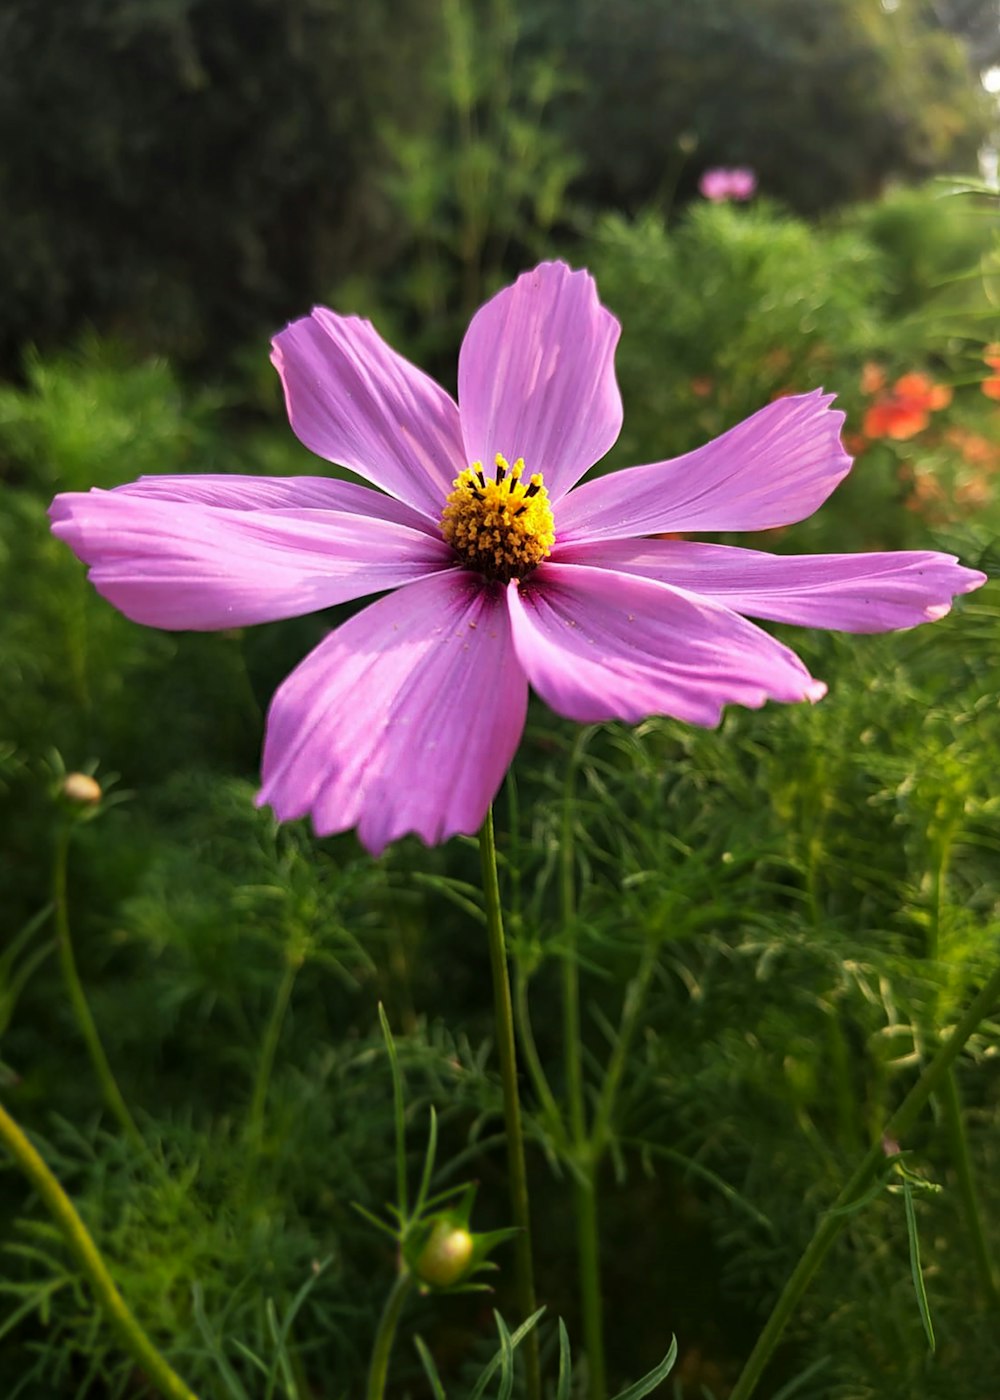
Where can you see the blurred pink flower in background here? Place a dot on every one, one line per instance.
(497, 571)
(728, 182)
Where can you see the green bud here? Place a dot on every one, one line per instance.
(446, 1256)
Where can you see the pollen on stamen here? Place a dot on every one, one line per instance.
(502, 528)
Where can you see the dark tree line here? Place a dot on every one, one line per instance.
(188, 172)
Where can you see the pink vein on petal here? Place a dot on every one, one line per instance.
(352, 399)
(599, 645)
(536, 377)
(839, 592)
(776, 467)
(185, 566)
(278, 493)
(404, 719)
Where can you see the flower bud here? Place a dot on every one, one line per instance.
(81, 788)
(446, 1256)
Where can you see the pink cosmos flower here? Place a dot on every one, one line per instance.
(721, 183)
(406, 717)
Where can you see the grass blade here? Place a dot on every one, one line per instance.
(915, 1269)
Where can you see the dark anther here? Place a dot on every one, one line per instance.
(482, 479)
(501, 473)
(520, 510)
(532, 490)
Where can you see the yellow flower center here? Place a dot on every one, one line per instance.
(502, 527)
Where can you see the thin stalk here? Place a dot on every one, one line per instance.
(635, 999)
(88, 1256)
(951, 1105)
(588, 1256)
(269, 1048)
(834, 1220)
(522, 1017)
(532, 1060)
(572, 1048)
(951, 1108)
(385, 1336)
(504, 1021)
(585, 1152)
(81, 1009)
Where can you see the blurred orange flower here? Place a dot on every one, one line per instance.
(701, 386)
(974, 493)
(976, 449)
(906, 409)
(991, 387)
(920, 388)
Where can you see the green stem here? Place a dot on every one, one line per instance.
(532, 1060)
(386, 1335)
(961, 1160)
(632, 1007)
(586, 1153)
(269, 1047)
(84, 1019)
(504, 1021)
(831, 1224)
(572, 1049)
(588, 1253)
(951, 1107)
(133, 1338)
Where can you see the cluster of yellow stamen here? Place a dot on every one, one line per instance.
(502, 527)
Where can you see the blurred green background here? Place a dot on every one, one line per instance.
(810, 894)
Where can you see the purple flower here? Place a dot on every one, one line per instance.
(738, 182)
(406, 717)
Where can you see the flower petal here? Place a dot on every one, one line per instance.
(276, 493)
(183, 565)
(772, 469)
(599, 645)
(351, 399)
(404, 719)
(841, 592)
(536, 377)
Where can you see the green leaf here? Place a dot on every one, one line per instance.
(233, 1383)
(506, 1360)
(514, 1339)
(397, 1104)
(797, 1382)
(565, 1364)
(430, 1370)
(915, 1269)
(652, 1378)
(428, 1172)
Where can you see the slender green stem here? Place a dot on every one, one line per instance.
(84, 1019)
(635, 1000)
(504, 1022)
(951, 1105)
(269, 1047)
(585, 1152)
(588, 1253)
(385, 1336)
(532, 1060)
(572, 1048)
(831, 1224)
(77, 1236)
